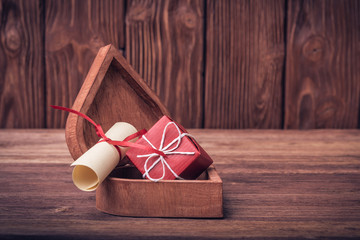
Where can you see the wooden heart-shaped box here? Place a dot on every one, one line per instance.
(113, 92)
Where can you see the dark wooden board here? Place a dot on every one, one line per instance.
(322, 64)
(75, 31)
(276, 184)
(21, 64)
(164, 43)
(244, 64)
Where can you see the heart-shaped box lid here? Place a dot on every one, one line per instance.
(112, 92)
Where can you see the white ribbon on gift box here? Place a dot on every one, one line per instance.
(166, 150)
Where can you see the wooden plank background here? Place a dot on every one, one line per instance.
(214, 64)
(322, 64)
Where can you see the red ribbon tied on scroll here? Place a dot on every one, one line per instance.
(115, 143)
(169, 149)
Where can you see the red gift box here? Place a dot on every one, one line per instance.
(182, 156)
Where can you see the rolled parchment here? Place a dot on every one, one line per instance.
(98, 162)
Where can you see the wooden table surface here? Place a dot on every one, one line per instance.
(276, 184)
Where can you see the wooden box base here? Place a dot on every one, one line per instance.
(113, 92)
(128, 194)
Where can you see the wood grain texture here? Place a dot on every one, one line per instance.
(164, 43)
(322, 67)
(244, 64)
(75, 30)
(200, 198)
(21, 67)
(276, 184)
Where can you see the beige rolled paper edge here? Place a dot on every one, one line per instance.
(97, 163)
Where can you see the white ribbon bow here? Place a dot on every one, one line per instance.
(166, 150)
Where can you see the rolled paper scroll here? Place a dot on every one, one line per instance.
(98, 162)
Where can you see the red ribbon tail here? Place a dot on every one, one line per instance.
(116, 144)
(75, 112)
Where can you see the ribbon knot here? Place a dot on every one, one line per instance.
(162, 152)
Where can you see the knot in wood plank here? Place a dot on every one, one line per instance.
(314, 48)
(62, 209)
(11, 35)
(189, 20)
(144, 12)
(13, 39)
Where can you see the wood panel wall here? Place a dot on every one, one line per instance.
(244, 63)
(214, 64)
(22, 81)
(322, 85)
